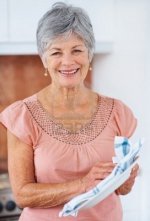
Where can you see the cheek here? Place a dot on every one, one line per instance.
(85, 68)
(85, 63)
(52, 65)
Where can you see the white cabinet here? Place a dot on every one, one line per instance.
(19, 19)
(24, 16)
(101, 13)
(4, 20)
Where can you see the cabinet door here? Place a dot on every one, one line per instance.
(3, 20)
(24, 17)
(20, 76)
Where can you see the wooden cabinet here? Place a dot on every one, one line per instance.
(20, 77)
(3, 20)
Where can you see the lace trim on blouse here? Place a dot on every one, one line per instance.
(84, 135)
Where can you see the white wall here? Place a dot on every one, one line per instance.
(124, 74)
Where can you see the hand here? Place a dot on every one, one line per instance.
(98, 172)
(127, 186)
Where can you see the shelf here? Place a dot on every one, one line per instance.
(27, 48)
(17, 48)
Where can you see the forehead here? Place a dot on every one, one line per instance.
(66, 41)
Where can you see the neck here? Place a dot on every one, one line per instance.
(67, 97)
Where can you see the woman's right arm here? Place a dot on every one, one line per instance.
(28, 193)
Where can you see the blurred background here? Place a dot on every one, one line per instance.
(120, 69)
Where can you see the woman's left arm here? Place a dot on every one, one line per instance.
(127, 186)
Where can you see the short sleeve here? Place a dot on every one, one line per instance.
(17, 119)
(124, 119)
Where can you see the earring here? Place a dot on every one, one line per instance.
(46, 72)
(90, 68)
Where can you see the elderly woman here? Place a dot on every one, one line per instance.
(61, 139)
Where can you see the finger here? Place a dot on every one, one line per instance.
(134, 172)
(105, 164)
(105, 168)
(136, 167)
(100, 175)
(131, 179)
(128, 183)
(133, 175)
(102, 171)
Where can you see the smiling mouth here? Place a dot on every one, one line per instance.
(69, 73)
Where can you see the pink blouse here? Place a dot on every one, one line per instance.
(62, 156)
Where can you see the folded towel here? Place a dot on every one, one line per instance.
(126, 155)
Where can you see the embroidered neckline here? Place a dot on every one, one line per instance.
(87, 133)
(64, 128)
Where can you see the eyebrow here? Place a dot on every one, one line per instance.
(78, 46)
(58, 49)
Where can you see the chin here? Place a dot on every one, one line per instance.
(70, 84)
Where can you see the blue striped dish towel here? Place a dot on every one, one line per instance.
(125, 159)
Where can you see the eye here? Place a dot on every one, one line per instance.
(77, 51)
(55, 53)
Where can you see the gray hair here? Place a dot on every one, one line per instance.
(62, 20)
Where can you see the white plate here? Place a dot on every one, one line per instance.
(111, 187)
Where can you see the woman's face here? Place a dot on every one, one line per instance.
(67, 61)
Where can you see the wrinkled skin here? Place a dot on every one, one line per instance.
(127, 186)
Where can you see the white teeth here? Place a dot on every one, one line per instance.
(69, 72)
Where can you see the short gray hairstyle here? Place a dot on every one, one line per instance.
(62, 20)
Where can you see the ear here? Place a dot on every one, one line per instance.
(44, 60)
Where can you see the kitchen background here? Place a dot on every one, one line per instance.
(121, 69)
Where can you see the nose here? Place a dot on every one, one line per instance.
(67, 59)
